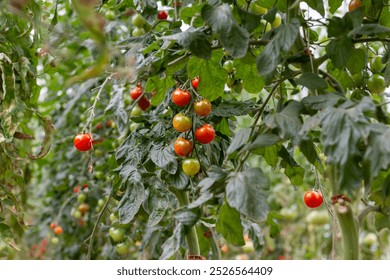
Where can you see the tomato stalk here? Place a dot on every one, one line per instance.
(191, 235)
(347, 221)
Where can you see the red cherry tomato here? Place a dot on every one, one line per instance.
(313, 199)
(202, 107)
(181, 122)
(83, 142)
(162, 15)
(53, 225)
(354, 4)
(181, 97)
(58, 230)
(205, 134)
(136, 92)
(195, 83)
(183, 147)
(144, 103)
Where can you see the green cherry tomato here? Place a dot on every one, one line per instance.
(117, 234)
(191, 166)
(138, 32)
(81, 197)
(376, 64)
(133, 126)
(228, 66)
(110, 15)
(55, 240)
(376, 84)
(101, 202)
(77, 214)
(137, 20)
(122, 248)
(113, 217)
(181, 122)
(136, 111)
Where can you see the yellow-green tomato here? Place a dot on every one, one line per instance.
(117, 234)
(288, 214)
(137, 20)
(376, 84)
(133, 126)
(228, 66)
(55, 240)
(136, 111)
(81, 197)
(191, 166)
(122, 248)
(113, 217)
(138, 32)
(376, 64)
(318, 218)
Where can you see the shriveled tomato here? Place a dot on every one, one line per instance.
(195, 82)
(205, 134)
(181, 97)
(83, 142)
(202, 107)
(136, 92)
(183, 147)
(181, 122)
(313, 199)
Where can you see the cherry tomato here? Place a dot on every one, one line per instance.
(58, 230)
(76, 189)
(53, 225)
(182, 123)
(181, 97)
(99, 126)
(122, 248)
(81, 197)
(195, 82)
(144, 103)
(205, 134)
(137, 20)
(83, 208)
(312, 199)
(136, 111)
(228, 66)
(83, 142)
(190, 166)
(138, 32)
(77, 214)
(54, 240)
(376, 84)
(183, 147)
(136, 92)
(202, 107)
(117, 234)
(354, 4)
(162, 15)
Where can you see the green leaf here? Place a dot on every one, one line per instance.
(232, 108)
(311, 81)
(239, 140)
(323, 101)
(234, 38)
(378, 149)
(382, 221)
(264, 140)
(179, 180)
(132, 199)
(339, 51)
(251, 81)
(287, 121)
(229, 225)
(317, 5)
(188, 217)
(116, 107)
(269, 58)
(356, 61)
(369, 29)
(160, 84)
(334, 5)
(246, 192)
(211, 72)
(160, 204)
(292, 169)
(173, 243)
(309, 151)
(163, 156)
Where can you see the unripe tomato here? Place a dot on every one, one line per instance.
(81, 197)
(354, 4)
(138, 32)
(117, 234)
(318, 218)
(202, 107)
(376, 64)
(55, 240)
(133, 126)
(58, 230)
(312, 199)
(182, 123)
(136, 92)
(228, 66)
(122, 248)
(83, 208)
(181, 97)
(288, 214)
(190, 166)
(110, 15)
(205, 134)
(77, 214)
(162, 15)
(136, 111)
(101, 202)
(113, 217)
(195, 82)
(144, 103)
(183, 147)
(376, 84)
(83, 142)
(277, 21)
(137, 20)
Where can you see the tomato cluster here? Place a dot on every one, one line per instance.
(183, 123)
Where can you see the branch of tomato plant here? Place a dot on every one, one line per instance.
(191, 235)
(92, 236)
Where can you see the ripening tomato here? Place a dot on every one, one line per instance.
(144, 103)
(195, 82)
(205, 134)
(58, 230)
(83, 142)
(202, 107)
(181, 97)
(182, 123)
(191, 166)
(162, 15)
(83, 208)
(183, 147)
(53, 225)
(136, 92)
(313, 199)
(354, 4)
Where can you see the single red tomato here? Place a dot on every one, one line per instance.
(58, 230)
(205, 134)
(202, 107)
(354, 4)
(313, 199)
(183, 147)
(181, 97)
(181, 122)
(136, 92)
(83, 142)
(53, 225)
(195, 82)
(162, 15)
(144, 103)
